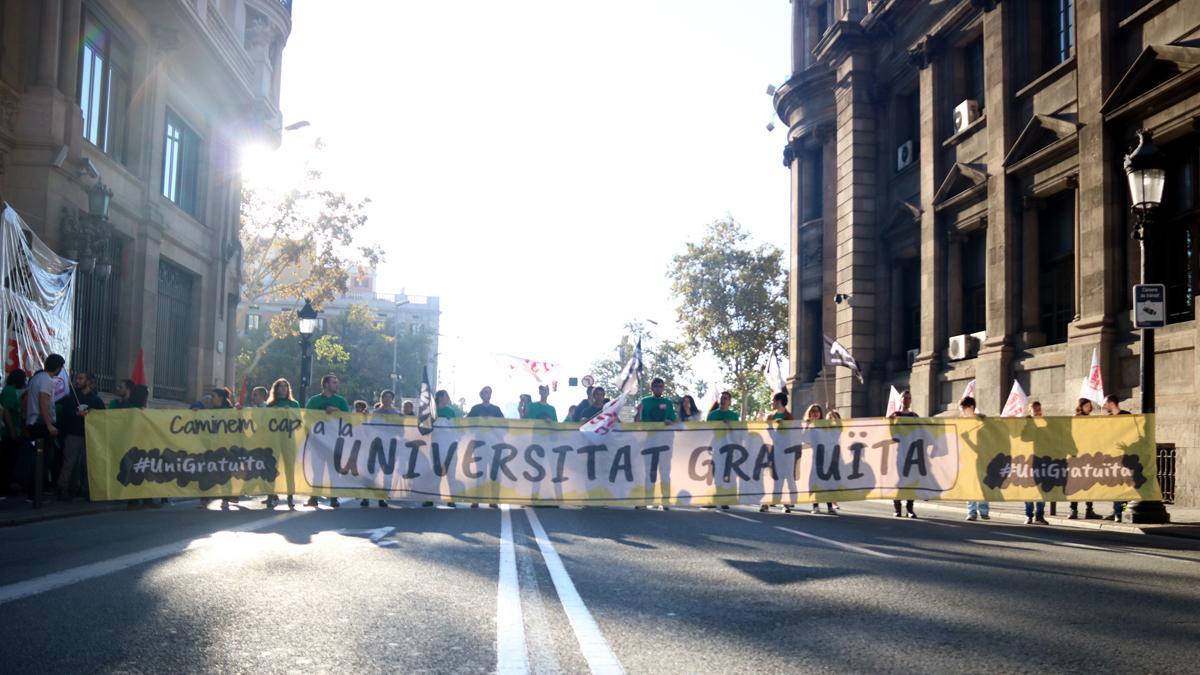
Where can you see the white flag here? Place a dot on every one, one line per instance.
(837, 355)
(968, 391)
(1093, 384)
(535, 369)
(774, 373)
(425, 409)
(894, 404)
(606, 420)
(1017, 402)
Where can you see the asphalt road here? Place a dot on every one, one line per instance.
(408, 590)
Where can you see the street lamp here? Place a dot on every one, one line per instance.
(395, 344)
(308, 323)
(1145, 167)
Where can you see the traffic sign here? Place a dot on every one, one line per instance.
(1149, 306)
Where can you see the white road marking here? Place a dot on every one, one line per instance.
(599, 655)
(24, 589)
(848, 547)
(734, 515)
(511, 655)
(1090, 547)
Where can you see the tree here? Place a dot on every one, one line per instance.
(358, 346)
(733, 303)
(299, 244)
(662, 358)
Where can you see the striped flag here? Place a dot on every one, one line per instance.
(631, 374)
(425, 411)
(837, 355)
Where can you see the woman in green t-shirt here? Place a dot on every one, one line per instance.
(442, 401)
(721, 412)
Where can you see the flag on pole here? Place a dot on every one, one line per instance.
(773, 372)
(139, 370)
(1093, 385)
(893, 405)
(1017, 402)
(425, 411)
(606, 420)
(969, 391)
(837, 355)
(631, 374)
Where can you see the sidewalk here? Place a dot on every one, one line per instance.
(1185, 522)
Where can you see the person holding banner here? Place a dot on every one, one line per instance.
(904, 411)
(1112, 406)
(592, 407)
(721, 412)
(445, 409)
(329, 401)
(281, 397)
(541, 409)
(975, 509)
(387, 403)
(814, 413)
(1035, 512)
(485, 408)
(688, 412)
(779, 403)
(656, 407)
(1082, 409)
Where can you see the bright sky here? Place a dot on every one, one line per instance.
(537, 163)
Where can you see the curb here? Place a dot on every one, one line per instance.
(41, 516)
(1185, 530)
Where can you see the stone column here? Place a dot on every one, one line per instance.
(795, 303)
(68, 55)
(1102, 194)
(993, 366)
(50, 30)
(855, 264)
(924, 379)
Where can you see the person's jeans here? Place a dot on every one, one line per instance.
(1041, 509)
(1118, 508)
(72, 458)
(977, 508)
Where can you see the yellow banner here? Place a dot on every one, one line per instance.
(165, 453)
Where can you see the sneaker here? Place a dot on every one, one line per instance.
(493, 506)
(452, 505)
(1118, 517)
(764, 508)
(912, 514)
(474, 505)
(1028, 520)
(366, 503)
(665, 507)
(724, 507)
(1040, 521)
(816, 508)
(334, 503)
(1074, 516)
(383, 504)
(1092, 515)
(833, 512)
(427, 504)
(291, 504)
(312, 501)
(787, 508)
(971, 517)
(985, 516)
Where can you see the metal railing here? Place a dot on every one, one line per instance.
(1166, 472)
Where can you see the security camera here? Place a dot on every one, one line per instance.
(842, 297)
(771, 125)
(89, 168)
(59, 158)
(770, 90)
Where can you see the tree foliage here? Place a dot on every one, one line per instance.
(298, 244)
(732, 303)
(357, 346)
(660, 358)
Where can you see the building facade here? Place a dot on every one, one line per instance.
(960, 211)
(151, 98)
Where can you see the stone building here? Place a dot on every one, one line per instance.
(151, 98)
(960, 211)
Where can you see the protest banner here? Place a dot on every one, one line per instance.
(161, 453)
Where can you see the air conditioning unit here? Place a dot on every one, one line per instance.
(904, 155)
(911, 356)
(965, 113)
(962, 347)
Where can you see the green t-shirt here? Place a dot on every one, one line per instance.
(287, 403)
(321, 402)
(719, 415)
(541, 411)
(10, 400)
(780, 416)
(117, 403)
(447, 411)
(657, 409)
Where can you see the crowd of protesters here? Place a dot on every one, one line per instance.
(33, 416)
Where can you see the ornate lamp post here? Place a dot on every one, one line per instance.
(308, 324)
(87, 241)
(1145, 167)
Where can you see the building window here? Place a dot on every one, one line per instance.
(252, 321)
(822, 15)
(973, 85)
(172, 345)
(816, 337)
(1174, 232)
(104, 76)
(1061, 31)
(974, 278)
(814, 194)
(910, 304)
(181, 164)
(1056, 266)
(97, 306)
(908, 129)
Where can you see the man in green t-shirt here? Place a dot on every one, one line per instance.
(123, 391)
(656, 408)
(724, 413)
(541, 410)
(328, 400)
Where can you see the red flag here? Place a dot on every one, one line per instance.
(139, 370)
(242, 396)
